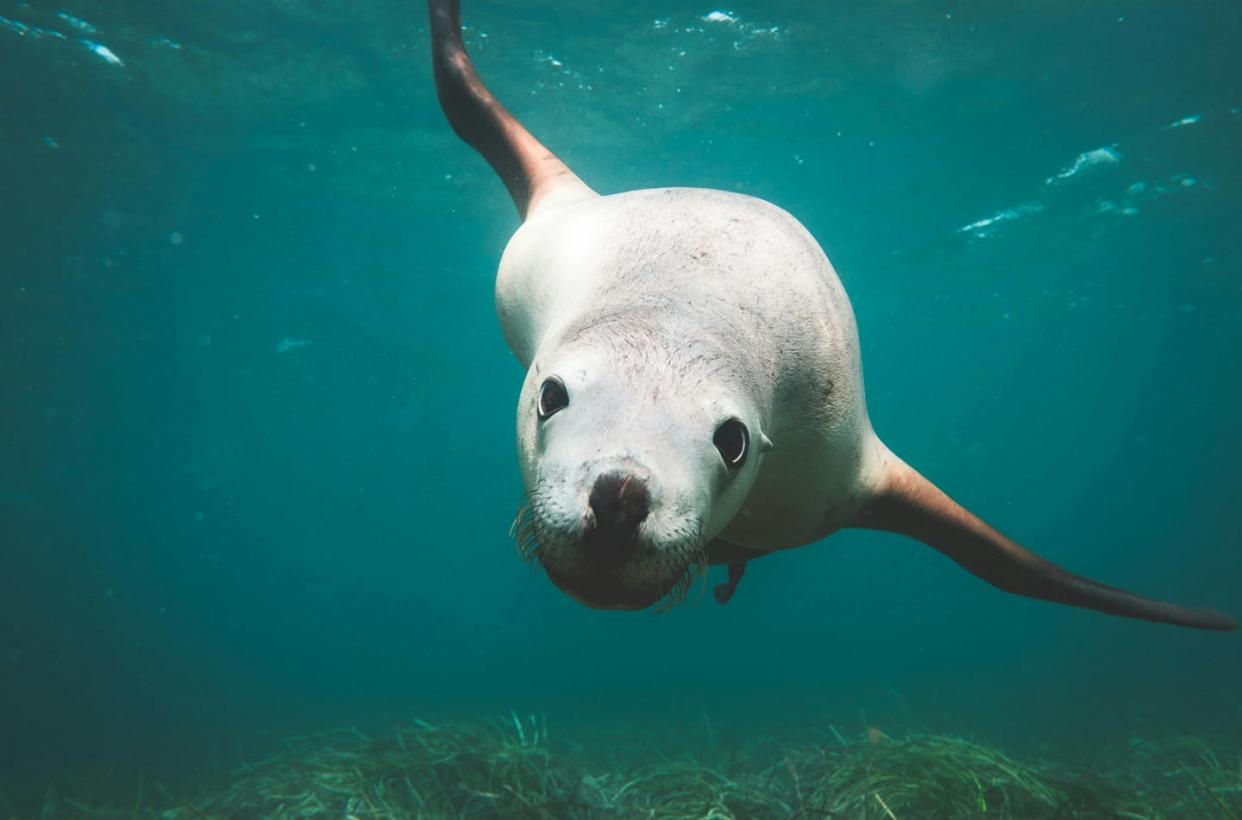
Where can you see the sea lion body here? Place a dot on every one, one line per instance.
(742, 276)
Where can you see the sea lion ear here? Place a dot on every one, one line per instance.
(765, 443)
(905, 502)
(532, 173)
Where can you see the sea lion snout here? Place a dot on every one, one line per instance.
(609, 536)
(619, 503)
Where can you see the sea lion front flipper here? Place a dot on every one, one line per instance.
(735, 557)
(909, 504)
(532, 173)
(724, 592)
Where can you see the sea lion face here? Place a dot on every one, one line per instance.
(631, 467)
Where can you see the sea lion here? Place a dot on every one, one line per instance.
(694, 391)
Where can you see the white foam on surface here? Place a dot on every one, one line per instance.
(103, 52)
(1185, 121)
(26, 30)
(981, 227)
(77, 23)
(1108, 155)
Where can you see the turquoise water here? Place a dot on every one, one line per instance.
(256, 430)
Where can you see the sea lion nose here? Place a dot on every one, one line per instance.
(620, 502)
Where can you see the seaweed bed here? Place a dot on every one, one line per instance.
(510, 768)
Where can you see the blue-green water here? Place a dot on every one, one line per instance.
(256, 415)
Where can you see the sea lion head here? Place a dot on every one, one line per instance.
(636, 451)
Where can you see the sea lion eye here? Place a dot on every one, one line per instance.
(552, 398)
(732, 440)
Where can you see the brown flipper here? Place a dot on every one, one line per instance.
(735, 557)
(724, 592)
(530, 171)
(911, 505)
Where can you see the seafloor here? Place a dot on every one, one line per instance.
(513, 768)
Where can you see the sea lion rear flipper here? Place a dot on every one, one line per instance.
(909, 504)
(532, 173)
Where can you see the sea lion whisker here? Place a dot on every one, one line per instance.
(523, 531)
(678, 590)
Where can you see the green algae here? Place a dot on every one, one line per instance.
(511, 768)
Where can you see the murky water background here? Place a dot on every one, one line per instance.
(256, 415)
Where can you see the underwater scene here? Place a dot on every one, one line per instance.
(270, 547)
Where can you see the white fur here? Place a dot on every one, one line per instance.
(665, 312)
